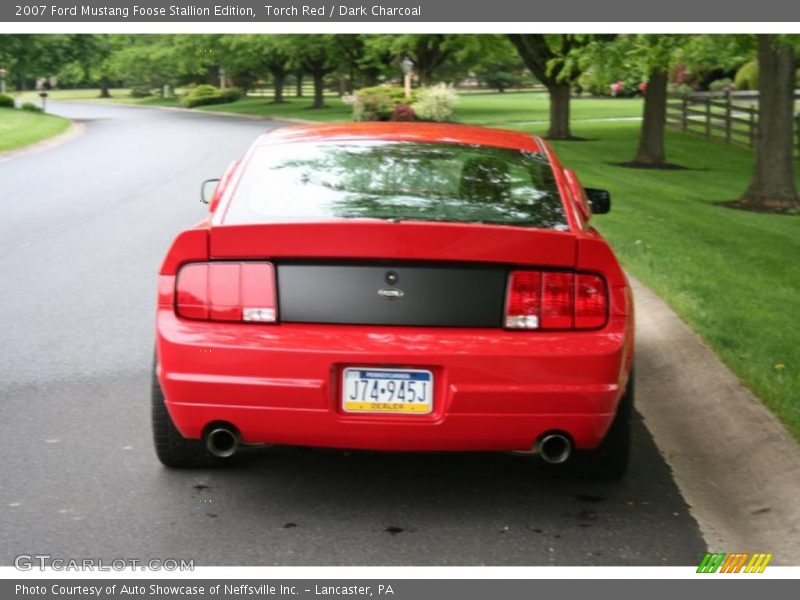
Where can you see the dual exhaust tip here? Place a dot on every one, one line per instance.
(554, 448)
(222, 441)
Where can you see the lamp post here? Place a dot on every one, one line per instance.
(3, 74)
(408, 68)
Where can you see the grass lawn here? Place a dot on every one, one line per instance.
(512, 109)
(517, 110)
(20, 128)
(90, 94)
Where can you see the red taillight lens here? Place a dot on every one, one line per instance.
(556, 300)
(523, 305)
(591, 301)
(226, 291)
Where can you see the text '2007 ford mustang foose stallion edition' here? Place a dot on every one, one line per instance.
(398, 287)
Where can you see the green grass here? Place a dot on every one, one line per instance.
(731, 275)
(512, 109)
(19, 128)
(521, 109)
(90, 94)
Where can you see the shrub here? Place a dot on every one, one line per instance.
(232, 94)
(680, 89)
(203, 95)
(435, 103)
(141, 91)
(377, 103)
(403, 112)
(31, 107)
(720, 85)
(747, 76)
(6, 101)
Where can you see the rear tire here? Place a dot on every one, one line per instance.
(172, 449)
(609, 461)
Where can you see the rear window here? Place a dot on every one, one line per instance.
(397, 181)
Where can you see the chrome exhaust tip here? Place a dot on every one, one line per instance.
(555, 448)
(222, 442)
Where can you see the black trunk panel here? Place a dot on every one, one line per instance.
(392, 294)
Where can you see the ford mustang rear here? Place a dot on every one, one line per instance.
(395, 287)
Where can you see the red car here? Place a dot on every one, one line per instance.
(395, 286)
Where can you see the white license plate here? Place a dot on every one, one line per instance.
(387, 390)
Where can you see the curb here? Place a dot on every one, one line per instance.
(74, 130)
(735, 464)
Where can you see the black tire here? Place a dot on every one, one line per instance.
(172, 449)
(609, 461)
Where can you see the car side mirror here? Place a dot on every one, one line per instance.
(599, 200)
(207, 190)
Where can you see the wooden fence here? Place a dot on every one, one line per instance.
(729, 117)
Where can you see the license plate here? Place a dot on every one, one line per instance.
(387, 391)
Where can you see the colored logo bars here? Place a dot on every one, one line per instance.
(737, 562)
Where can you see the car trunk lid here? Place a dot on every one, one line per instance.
(379, 273)
(414, 241)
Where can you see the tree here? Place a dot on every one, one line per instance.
(318, 56)
(375, 61)
(428, 51)
(276, 59)
(649, 57)
(773, 182)
(493, 60)
(28, 56)
(654, 54)
(552, 60)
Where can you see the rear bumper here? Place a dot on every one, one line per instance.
(493, 390)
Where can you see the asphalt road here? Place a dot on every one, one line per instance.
(83, 228)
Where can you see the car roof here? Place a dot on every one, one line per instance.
(445, 133)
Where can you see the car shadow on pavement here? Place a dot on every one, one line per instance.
(332, 507)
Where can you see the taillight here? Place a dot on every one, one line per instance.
(591, 301)
(556, 300)
(226, 291)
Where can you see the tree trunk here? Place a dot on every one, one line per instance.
(559, 112)
(298, 89)
(319, 89)
(104, 85)
(278, 80)
(651, 135)
(773, 183)
(370, 77)
(424, 75)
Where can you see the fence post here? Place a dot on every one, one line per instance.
(708, 118)
(752, 129)
(684, 113)
(728, 116)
